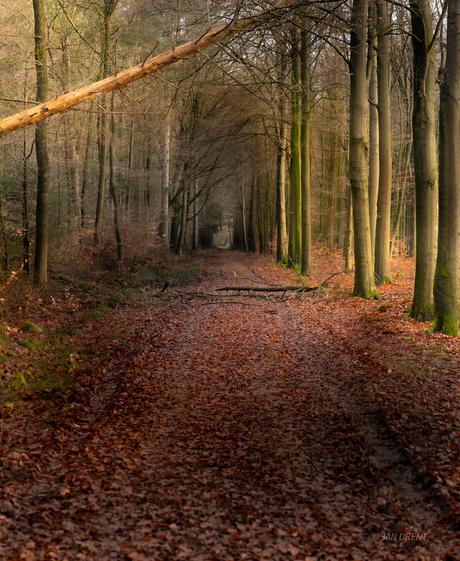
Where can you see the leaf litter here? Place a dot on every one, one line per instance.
(312, 428)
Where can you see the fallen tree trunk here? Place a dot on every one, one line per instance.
(294, 288)
(122, 79)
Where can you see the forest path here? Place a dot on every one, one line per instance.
(222, 427)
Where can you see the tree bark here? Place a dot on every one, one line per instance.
(113, 193)
(195, 216)
(348, 239)
(41, 149)
(425, 160)
(295, 176)
(447, 275)
(383, 225)
(70, 151)
(103, 127)
(364, 284)
(165, 180)
(184, 210)
(306, 251)
(281, 247)
(373, 133)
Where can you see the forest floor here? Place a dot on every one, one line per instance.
(204, 425)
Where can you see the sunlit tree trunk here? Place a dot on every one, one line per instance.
(425, 160)
(25, 207)
(447, 275)
(306, 252)
(364, 271)
(41, 148)
(295, 193)
(281, 247)
(348, 240)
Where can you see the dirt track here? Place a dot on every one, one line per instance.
(222, 428)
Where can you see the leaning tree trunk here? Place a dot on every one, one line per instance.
(364, 271)
(447, 276)
(425, 161)
(41, 149)
(122, 79)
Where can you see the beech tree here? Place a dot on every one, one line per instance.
(41, 147)
(447, 274)
(108, 9)
(383, 222)
(425, 158)
(305, 142)
(364, 268)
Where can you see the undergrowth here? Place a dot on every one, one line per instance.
(46, 323)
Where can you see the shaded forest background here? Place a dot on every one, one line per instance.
(204, 152)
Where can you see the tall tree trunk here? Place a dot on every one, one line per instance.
(41, 148)
(103, 127)
(332, 181)
(364, 284)
(85, 172)
(295, 192)
(260, 221)
(373, 139)
(183, 215)
(250, 238)
(243, 218)
(447, 275)
(306, 252)
(425, 161)
(69, 141)
(113, 193)
(281, 245)
(165, 180)
(348, 239)
(383, 226)
(281, 242)
(195, 216)
(6, 258)
(25, 208)
(402, 199)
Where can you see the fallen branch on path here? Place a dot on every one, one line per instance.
(294, 288)
(288, 288)
(228, 302)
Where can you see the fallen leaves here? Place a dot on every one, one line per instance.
(231, 432)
